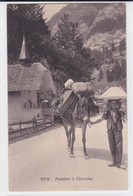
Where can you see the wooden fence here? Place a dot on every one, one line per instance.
(23, 128)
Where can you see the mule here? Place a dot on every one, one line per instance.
(78, 113)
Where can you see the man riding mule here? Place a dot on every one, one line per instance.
(75, 107)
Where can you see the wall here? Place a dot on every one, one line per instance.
(47, 82)
(14, 105)
(27, 97)
(15, 110)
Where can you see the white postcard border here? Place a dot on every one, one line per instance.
(4, 108)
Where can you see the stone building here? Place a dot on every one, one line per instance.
(28, 85)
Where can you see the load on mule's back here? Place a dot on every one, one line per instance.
(74, 95)
(76, 106)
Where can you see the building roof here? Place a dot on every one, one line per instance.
(26, 78)
(114, 93)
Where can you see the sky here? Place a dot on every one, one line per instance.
(51, 9)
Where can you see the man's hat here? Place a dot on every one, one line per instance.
(114, 93)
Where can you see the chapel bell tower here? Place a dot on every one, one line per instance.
(24, 57)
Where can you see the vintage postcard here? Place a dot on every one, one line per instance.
(68, 97)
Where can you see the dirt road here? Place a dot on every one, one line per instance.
(42, 163)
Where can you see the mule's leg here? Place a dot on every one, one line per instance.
(84, 126)
(72, 141)
(67, 134)
(70, 136)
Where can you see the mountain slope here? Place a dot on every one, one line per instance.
(99, 24)
(108, 26)
(84, 14)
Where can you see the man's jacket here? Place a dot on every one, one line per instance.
(114, 120)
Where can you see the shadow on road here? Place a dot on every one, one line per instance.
(95, 153)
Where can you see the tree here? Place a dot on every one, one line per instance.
(123, 68)
(117, 71)
(113, 47)
(122, 45)
(28, 19)
(68, 35)
(100, 75)
(72, 58)
(109, 75)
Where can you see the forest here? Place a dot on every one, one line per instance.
(64, 51)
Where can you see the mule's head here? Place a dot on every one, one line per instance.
(93, 109)
(87, 107)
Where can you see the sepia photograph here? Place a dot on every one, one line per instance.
(67, 97)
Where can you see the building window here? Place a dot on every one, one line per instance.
(24, 105)
(30, 104)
